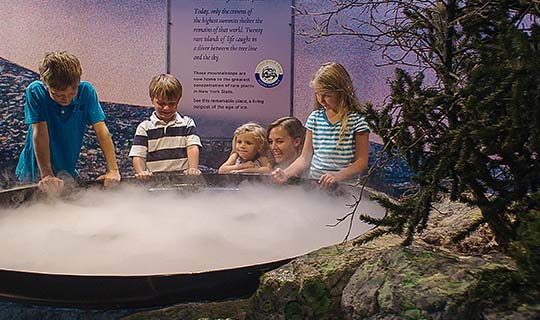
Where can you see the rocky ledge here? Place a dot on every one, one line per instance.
(430, 279)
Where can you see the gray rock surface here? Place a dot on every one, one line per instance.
(379, 280)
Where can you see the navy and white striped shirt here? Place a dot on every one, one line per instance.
(328, 156)
(164, 145)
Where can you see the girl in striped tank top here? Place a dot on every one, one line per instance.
(336, 143)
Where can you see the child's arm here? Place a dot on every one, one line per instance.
(139, 165)
(139, 152)
(40, 137)
(299, 165)
(360, 163)
(266, 167)
(112, 176)
(193, 160)
(229, 165)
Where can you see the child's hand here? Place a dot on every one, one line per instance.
(279, 176)
(143, 175)
(51, 184)
(192, 172)
(246, 165)
(327, 179)
(110, 179)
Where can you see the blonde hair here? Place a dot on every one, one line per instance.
(60, 69)
(257, 131)
(333, 77)
(165, 87)
(294, 128)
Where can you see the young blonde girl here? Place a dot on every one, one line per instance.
(249, 147)
(336, 142)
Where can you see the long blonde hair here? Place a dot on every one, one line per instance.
(333, 77)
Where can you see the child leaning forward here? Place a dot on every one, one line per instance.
(57, 109)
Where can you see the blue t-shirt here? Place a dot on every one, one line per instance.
(328, 155)
(66, 126)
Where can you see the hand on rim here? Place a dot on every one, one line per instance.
(110, 179)
(51, 184)
(279, 176)
(327, 180)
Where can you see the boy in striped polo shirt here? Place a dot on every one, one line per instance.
(168, 141)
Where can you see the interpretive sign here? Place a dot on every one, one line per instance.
(233, 58)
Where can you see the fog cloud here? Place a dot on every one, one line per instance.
(134, 231)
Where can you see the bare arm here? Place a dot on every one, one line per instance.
(193, 160)
(229, 165)
(266, 167)
(361, 140)
(40, 137)
(112, 176)
(139, 166)
(360, 163)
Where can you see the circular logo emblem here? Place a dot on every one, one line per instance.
(269, 73)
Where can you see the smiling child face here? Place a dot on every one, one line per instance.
(165, 109)
(284, 147)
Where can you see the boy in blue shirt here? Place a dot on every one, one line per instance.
(57, 109)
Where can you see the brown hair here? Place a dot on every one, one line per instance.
(333, 77)
(60, 69)
(293, 126)
(166, 87)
